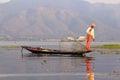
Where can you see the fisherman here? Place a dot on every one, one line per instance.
(90, 36)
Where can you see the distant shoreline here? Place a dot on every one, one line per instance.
(39, 43)
(51, 44)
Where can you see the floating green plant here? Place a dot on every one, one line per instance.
(108, 46)
(10, 47)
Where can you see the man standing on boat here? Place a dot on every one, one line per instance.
(90, 36)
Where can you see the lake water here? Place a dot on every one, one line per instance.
(95, 66)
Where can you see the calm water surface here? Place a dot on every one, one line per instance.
(95, 66)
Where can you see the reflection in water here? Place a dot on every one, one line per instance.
(109, 51)
(89, 69)
(58, 66)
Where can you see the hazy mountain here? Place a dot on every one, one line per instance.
(58, 18)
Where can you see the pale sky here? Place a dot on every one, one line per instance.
(91, 1)
(104, 1)
(4, 1)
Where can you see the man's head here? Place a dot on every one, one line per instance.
(92, 25)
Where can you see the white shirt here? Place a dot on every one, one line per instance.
(91, 32)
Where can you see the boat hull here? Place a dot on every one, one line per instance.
(38, 50)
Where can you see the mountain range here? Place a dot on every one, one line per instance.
(58, 18)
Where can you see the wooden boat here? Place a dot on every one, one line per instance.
(39, 50)
(67, 45)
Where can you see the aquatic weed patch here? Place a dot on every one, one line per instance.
(10, 47)
(108, 46)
